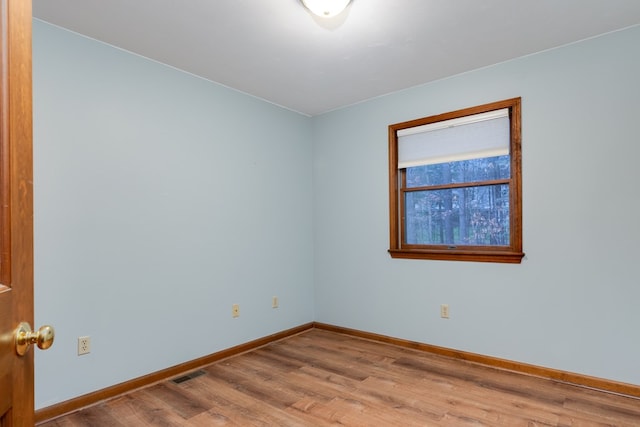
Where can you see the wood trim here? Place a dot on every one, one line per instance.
(508, 254)
(524, 368)
(5, 165)
(459, 255)
(516, 176)
(465, 184)
(89, 399)
(395, 230)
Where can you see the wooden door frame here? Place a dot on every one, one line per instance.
(16, 182)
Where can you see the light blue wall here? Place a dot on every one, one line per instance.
(573, 302)
(161, 199)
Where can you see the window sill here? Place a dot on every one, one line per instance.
(459, 255)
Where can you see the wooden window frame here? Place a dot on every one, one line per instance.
(501, 254)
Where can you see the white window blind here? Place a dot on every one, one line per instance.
(464, 138)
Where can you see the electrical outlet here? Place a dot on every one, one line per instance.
(235, 310)
(84, 345)
(274, 302)
(444, 311)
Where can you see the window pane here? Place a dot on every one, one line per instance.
(459, 216)
(475, 170)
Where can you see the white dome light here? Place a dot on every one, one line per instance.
(326, 8)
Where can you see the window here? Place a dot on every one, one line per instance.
(455, 185)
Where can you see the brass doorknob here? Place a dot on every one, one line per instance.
(25, 337)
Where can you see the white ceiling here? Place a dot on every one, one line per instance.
(275, 50)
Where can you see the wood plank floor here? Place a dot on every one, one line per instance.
(321, 378)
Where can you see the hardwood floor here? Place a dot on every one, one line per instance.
(322, 378)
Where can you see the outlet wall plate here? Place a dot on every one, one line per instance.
(444, 311)
(84, 345)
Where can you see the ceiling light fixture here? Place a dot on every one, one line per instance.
(326, 8)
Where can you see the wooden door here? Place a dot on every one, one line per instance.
(16, 211)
